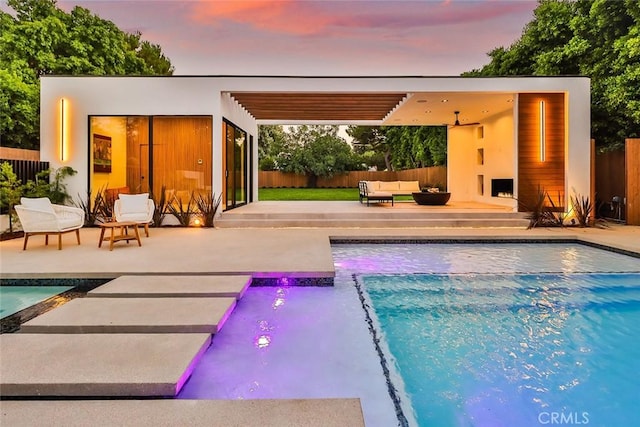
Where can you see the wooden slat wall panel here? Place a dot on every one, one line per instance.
(632, 150)
(182, 154)
(533, 173)
(436, 175)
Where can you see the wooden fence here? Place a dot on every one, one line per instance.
(632, 149)
(609, 181)
(436, 175)
(26, 170)
(19, 154)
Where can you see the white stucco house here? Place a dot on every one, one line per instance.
(200, 132)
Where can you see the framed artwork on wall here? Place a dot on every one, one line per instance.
(101, 153)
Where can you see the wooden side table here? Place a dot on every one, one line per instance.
(122, 229)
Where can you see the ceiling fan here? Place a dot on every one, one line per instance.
(457, 122)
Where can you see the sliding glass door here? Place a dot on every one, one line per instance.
(235, 168)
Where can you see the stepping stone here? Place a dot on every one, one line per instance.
(167, 412)
(174, 286)
(134, 315)
(98, 364)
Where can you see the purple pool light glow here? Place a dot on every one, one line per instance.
(294, 342)
(226, 315)
(194, 362)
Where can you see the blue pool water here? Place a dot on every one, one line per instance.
(16, 298)
(316, 342)
(513, 349)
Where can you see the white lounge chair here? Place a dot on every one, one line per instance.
(40, 216)
(137, 208)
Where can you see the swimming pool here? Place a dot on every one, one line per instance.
(505, 334)
(16, 298)
(23, 299)
(489, 350)
(315, 342)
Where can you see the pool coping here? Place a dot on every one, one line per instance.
(347, 240)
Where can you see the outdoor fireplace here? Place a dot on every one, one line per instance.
(502, 188)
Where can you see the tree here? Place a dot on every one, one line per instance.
(19, 117)
(369, 140)
(317, 151)
(403, 147)
(596, 38)
(271, 141)
(42, 39)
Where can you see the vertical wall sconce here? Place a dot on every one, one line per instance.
(62, 129)
(543, 142)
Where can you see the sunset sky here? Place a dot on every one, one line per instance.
(364, 37)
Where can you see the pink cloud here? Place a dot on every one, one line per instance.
(299, 18)
(326, 17)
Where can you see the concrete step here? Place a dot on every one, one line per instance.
(134, 315)
(372, 213)
(177, 412)
(91, 365)
(174, 287)
(373, 223)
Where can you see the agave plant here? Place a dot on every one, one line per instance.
(208, 207)
(583, 208)
(93, 212)
(555, 214)
(161, 206)
(537, 215)
(181, 211)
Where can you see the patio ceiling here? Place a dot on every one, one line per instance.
(437, 108)
(288, 106)
(419, 108)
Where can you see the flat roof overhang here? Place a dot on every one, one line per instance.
(360, 100)
(380, 100)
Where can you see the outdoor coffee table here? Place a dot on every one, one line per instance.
(122, 229)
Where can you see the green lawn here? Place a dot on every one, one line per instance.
(335, 194)
(349, 194)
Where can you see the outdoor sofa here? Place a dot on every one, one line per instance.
(384, 191)
(395, 188)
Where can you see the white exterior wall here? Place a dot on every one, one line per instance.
(463, 168)
(461, 163)
(206, 95)
(127, 96)
(499, 143)
(578, 149)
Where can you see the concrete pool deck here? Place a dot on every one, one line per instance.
(272, 252)
(288, 252)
